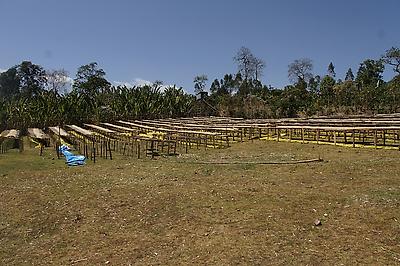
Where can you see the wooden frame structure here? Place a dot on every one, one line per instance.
(12, 134)
(39, 137)
(140, 138)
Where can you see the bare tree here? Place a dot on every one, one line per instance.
(249, 66)
(259, 65)
(300, 69)
(58, 80)
(244, 59)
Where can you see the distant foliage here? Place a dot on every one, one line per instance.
(33, 97)
(31, 101)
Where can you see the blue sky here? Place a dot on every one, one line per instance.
(175, 40)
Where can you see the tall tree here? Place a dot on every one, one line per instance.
(215, 87)
(331, 70)
(230, 84)
(32, 78)
(91, 86)
(249, 66)
(294, 99)
(9, 83)
(349, 75)
(346, 95)
(314, 85)
(327, 93)
(392, 58)
(259, 66)
(90, 79)
(200, 83)
(369, 82)
(244, 59)
(393, 93)
(300, 69)
(370, 73)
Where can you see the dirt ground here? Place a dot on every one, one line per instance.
(178, 211)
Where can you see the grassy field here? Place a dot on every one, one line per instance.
(176, 211)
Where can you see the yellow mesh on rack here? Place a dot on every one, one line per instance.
(332, 143)
(38, 144)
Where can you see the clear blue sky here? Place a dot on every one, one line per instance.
(175, 40)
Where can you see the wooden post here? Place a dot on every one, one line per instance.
(105, 148)
(86, 150)
(21, 144)
(58, 145)
(101, 148)
(176, 142)
(354, 138)
(398, 137)
(375, 138)
(384, 137)
(134, 146)
(363, 136)
(152, 149)
(138, 149)
(334, 137)
(94, 155)
(109, 149)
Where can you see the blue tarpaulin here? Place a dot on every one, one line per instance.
(71, 159)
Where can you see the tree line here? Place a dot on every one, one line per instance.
(31, 96)
(364, 92)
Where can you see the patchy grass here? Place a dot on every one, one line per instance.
(172, 211)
